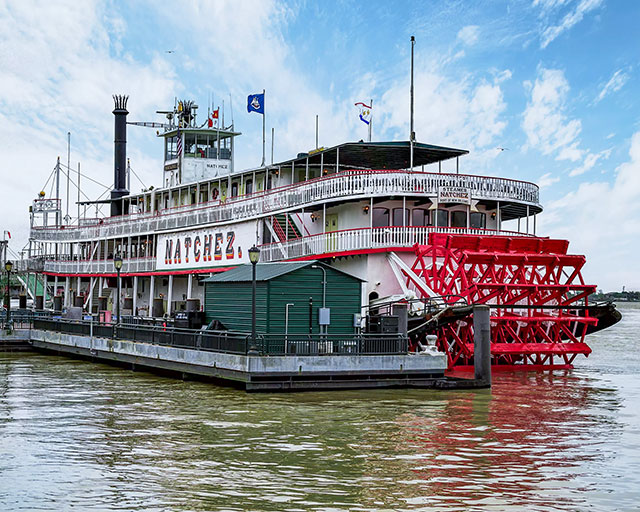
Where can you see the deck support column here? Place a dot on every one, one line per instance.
(189, 286)
(55, 285)
(152, 282)
(79, 285)
(135, 295)
(169, 295)
(66, 291)
(527, 219)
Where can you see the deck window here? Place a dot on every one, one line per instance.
(442, 218)
(420, 217)
(380, 217)
(478, 220)
(458, 219)
(397, 217)
(248, 186)
(234, 189)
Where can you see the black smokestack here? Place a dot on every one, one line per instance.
(120, 155)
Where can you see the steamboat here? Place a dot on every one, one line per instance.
(382, 211)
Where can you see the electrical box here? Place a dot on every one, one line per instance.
(324, 316)
(357, 320)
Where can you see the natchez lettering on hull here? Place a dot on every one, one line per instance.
(204, 248)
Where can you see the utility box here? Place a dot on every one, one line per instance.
(324, 316)
(387, 324)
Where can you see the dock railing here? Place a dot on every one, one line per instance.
(233, 342)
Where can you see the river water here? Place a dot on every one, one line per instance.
(82, 436)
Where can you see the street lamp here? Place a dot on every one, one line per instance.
(8, 266)
(254, 256)
(117, 262)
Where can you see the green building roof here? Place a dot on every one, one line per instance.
(266, 271)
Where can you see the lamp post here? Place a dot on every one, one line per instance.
(117, 262)
(254, 257)
(8, 266)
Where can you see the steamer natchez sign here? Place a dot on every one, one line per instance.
(221, 246)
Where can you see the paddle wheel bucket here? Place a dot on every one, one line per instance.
(539, 301)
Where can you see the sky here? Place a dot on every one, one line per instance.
(555, 82)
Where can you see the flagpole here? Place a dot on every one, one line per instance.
(411, 135)
(264, 114)
(370, 117)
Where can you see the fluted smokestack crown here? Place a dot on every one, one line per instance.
(120, 154)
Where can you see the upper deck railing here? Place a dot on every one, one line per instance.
(340, 186)
(315, 246)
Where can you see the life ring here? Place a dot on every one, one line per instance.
(214, 193)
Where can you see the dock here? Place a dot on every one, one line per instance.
(275, 363)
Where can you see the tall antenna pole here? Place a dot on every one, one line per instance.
(66, 218)
(316, 131)
(370, 117)
(264, 115)
(411, 134)
(59, 208)
(272, 133)
(78, 193)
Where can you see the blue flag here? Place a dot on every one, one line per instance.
(255, 103)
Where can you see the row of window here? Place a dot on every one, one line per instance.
(422, 217)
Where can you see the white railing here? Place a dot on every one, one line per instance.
(345, 241)
(363, 239)
(100, 267)
(348, 184)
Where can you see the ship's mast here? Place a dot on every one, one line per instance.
(411, 133)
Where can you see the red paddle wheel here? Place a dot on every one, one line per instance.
(540, 315)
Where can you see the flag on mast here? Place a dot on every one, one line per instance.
(364, 112)
(255, 103)
(215, 115)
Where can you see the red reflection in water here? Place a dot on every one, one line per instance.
(523, 442)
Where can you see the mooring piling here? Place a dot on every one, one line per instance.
(482, 343)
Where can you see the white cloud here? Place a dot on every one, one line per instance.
(615, 83)
(450, 112)
(254, 54)
(548, 5)
(61, 64)
(502, 76)
(602, 220)
(469, 34)
(568, 21)
(546, 180)
(590, 160)
(544, 121)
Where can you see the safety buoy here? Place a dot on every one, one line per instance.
(214, 194)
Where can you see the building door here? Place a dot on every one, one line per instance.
(331, 227)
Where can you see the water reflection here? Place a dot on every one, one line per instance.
(94, 437)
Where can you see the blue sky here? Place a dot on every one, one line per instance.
(554, 81)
